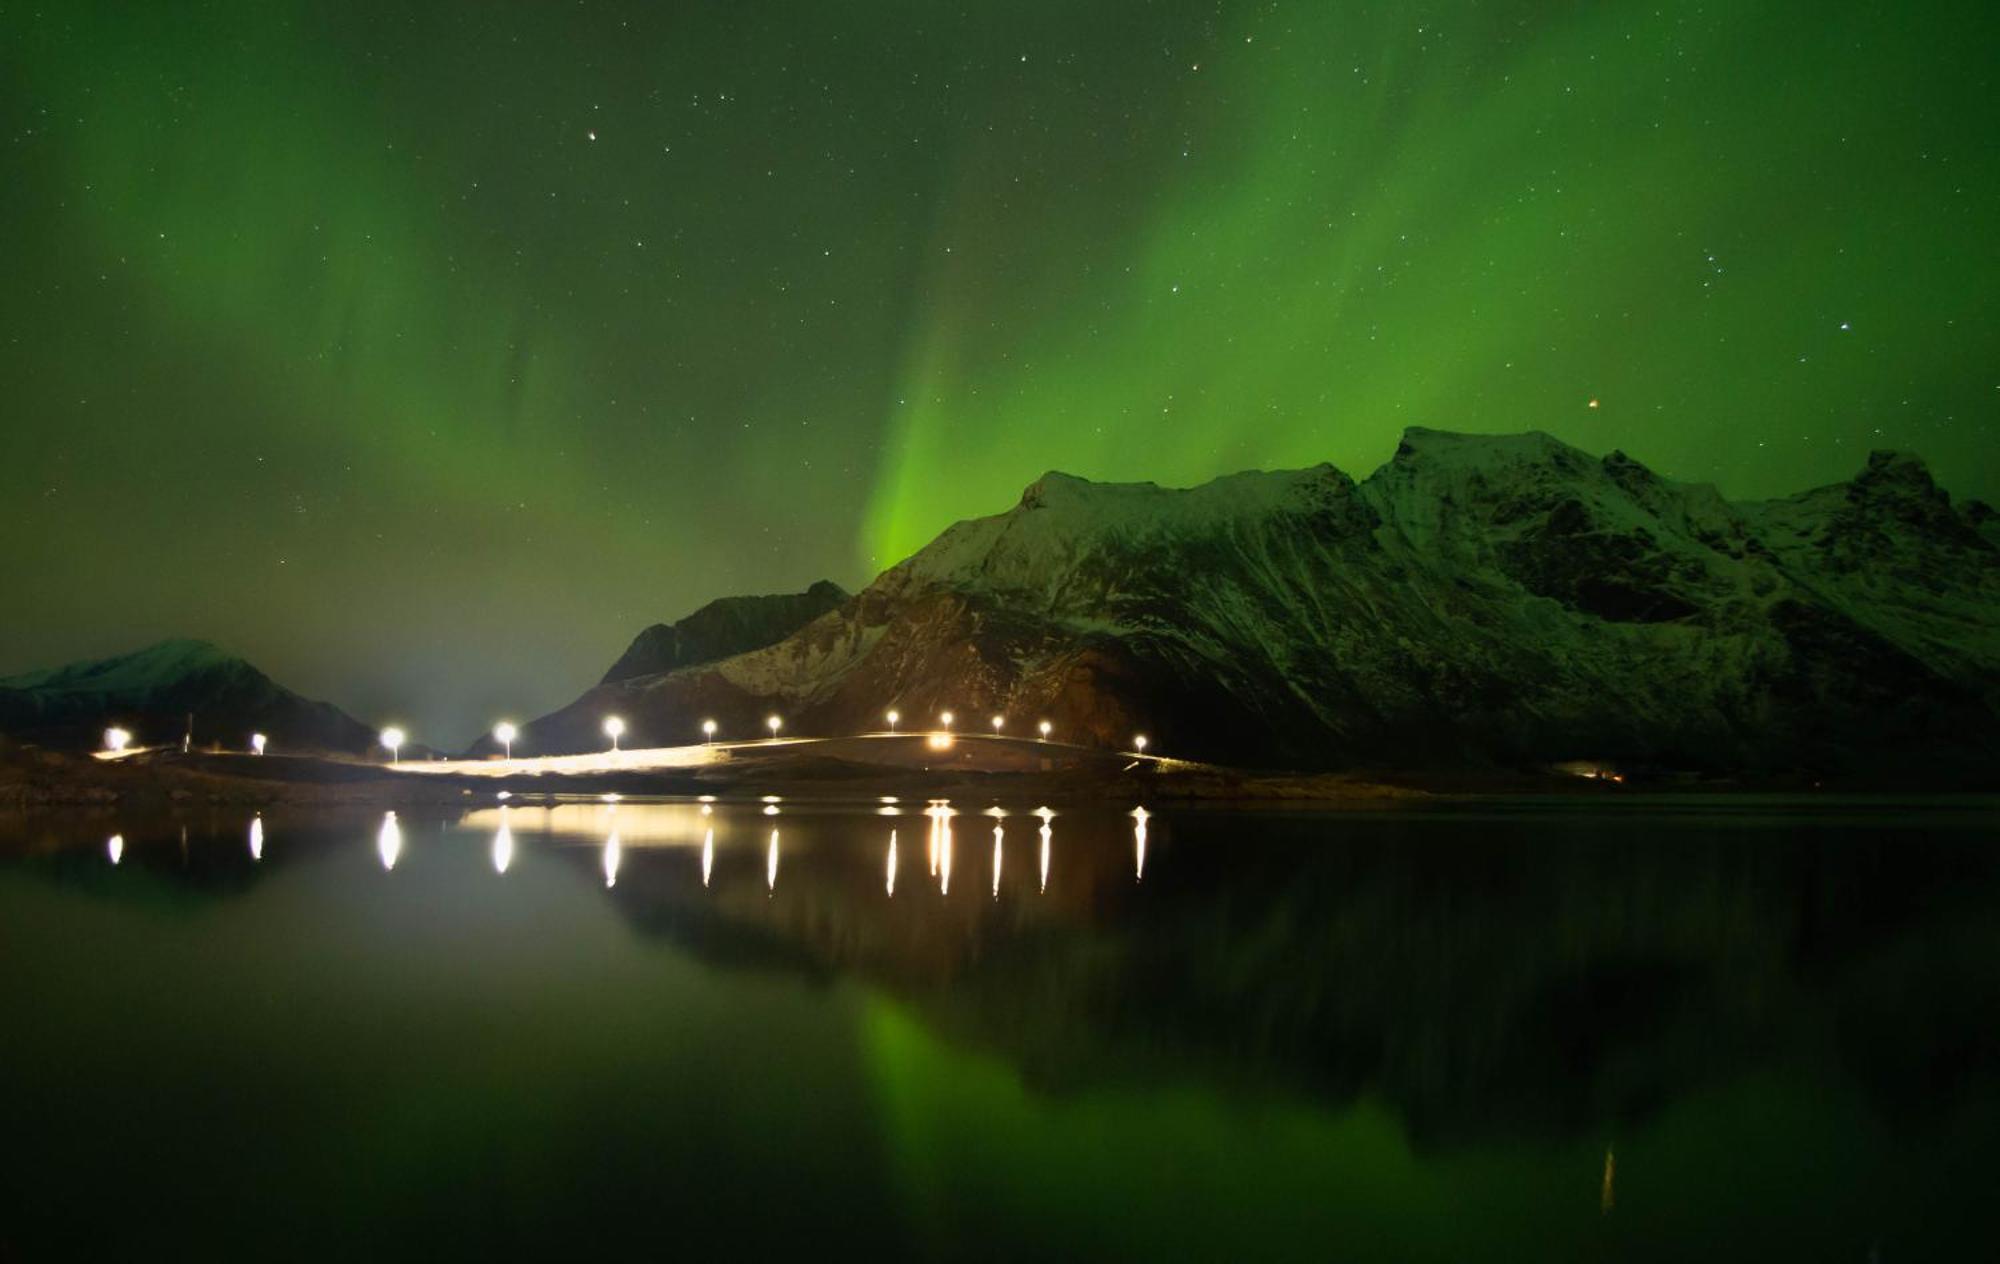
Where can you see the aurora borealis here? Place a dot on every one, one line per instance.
(424, 353)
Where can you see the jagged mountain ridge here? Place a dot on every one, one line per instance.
(1478, 599)
(722, 629)
(152, 691)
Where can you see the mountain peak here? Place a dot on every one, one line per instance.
(161, 662)
(725, 627)
(1056, 487)
(1889, 466)
(1421, 443)
(185, 652)
(160, 690)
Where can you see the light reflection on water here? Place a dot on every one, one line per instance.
(944, 851)
(503, 844)
(614, 822)
(1048, 837)
(389, 841)
(1455, 1018)
(1139, 819)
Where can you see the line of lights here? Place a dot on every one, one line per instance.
(117, 740)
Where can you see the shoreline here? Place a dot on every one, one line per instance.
(34, 779)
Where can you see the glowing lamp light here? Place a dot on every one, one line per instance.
(392, 740)
(945, 718)
(257, 743)
(999, 722)
(1139, 743)
(1045, 727)
(116, 740)
(116, 847)
(707, 731)
(505, 733)
(614, 728)
(774, 723)
(894, 717)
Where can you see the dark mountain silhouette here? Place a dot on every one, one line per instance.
(152, 692)
(722, 629)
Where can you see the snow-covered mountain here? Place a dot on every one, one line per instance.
(153, 691)
(1477, 600)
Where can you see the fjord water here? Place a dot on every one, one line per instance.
(1512, 1031)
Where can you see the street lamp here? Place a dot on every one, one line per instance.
(999, 722)
(707, 731)
(614, 728)
(503, 733)
(1044, 727)
(116, 740)
(944, 718)
(893, 717)
(257, 743)
(774, 723)
(392, 738)
(1139, 743)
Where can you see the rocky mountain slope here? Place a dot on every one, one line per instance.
(723, 628)
(1487, 600)
(151, 692)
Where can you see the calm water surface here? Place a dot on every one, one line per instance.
(1732, 1029)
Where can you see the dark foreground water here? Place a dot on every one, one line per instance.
(1719, 1030)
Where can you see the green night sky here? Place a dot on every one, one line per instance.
(424, 353)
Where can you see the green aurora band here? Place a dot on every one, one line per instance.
(333, 320)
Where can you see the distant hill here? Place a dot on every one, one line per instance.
(152, 691)
(1478, 600)
(722, 629)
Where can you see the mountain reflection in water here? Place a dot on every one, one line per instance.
(1517, 1032)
